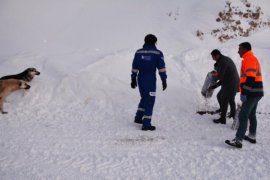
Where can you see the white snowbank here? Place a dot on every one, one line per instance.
(76, 121)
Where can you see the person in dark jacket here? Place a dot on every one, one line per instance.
(145, 63)
(228, 77)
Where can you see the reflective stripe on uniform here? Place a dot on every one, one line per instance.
(135, 70)
(147, 117)
(250, 89)
(251, 70)
(148, 52)
(162, 70)
(140, 109)
(152, 93)
(259, 74)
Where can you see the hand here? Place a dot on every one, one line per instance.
(214, 73)
(243, 98)
(212, 87)
(164, 84)
(133, 83)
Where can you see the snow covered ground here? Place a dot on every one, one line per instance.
(76, 121)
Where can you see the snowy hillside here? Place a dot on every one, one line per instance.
(76, 121)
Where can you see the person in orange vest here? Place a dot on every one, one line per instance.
(251, 91)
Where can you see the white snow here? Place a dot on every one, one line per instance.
(76, 121)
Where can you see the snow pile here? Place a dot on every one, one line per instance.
(76, 121)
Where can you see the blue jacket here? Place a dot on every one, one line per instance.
(145, 63)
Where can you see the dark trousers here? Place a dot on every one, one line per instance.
(248, 111)
(147, 102)
(224, 99)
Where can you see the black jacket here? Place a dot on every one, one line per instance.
(227, 74)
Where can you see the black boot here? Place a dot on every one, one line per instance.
(146, 128)
(231, 115)
(253, 141)
(138, 120)
(220, 120)
(147, 125)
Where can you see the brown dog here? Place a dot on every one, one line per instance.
(27, 75)
(7, 87)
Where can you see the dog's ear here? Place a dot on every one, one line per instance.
(20, 83)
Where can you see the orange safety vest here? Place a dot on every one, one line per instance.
(251, 68)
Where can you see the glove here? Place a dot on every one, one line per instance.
(243, 98)
(164, 84)
(213, 87)
(133, 83)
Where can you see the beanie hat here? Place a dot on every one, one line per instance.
(150, 39)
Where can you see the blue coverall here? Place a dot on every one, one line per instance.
(145, 63)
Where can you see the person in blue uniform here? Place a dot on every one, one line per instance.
(145, 63)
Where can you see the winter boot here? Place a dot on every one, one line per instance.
(231, 115)
(151, 128)
(235, 143)
(147, 125)
(251, 140)
(220, 120)
(138, 120)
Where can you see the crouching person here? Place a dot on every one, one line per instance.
(144, 66)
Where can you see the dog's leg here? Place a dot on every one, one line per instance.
(1, 106)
